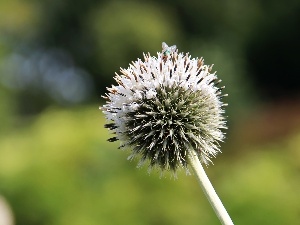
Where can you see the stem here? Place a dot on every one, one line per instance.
(209, 190)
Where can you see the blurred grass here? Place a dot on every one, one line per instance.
(59, 169)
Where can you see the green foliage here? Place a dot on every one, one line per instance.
(262, 188)
(18, 17)
(57, 168)
(60, 170)
(123, 30)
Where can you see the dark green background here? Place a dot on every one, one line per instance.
(56, 59)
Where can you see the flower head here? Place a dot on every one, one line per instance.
(165, 106)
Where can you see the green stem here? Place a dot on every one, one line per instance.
(209, 190)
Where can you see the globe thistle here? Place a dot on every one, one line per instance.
(165, 107)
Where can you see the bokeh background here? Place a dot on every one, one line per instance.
(56, 59)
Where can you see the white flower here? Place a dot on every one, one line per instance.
(165, 106)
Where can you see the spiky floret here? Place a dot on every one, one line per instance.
(164, 107)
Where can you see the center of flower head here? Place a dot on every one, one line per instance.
(164, 128)
(165, 107)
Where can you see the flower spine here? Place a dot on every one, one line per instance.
(163, 107)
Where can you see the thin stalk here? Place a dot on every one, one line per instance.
(209, 190)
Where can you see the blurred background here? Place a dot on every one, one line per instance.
(57, 58)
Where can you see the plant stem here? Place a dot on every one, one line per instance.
(209, 190)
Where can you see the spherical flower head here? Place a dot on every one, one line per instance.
(165, 106)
